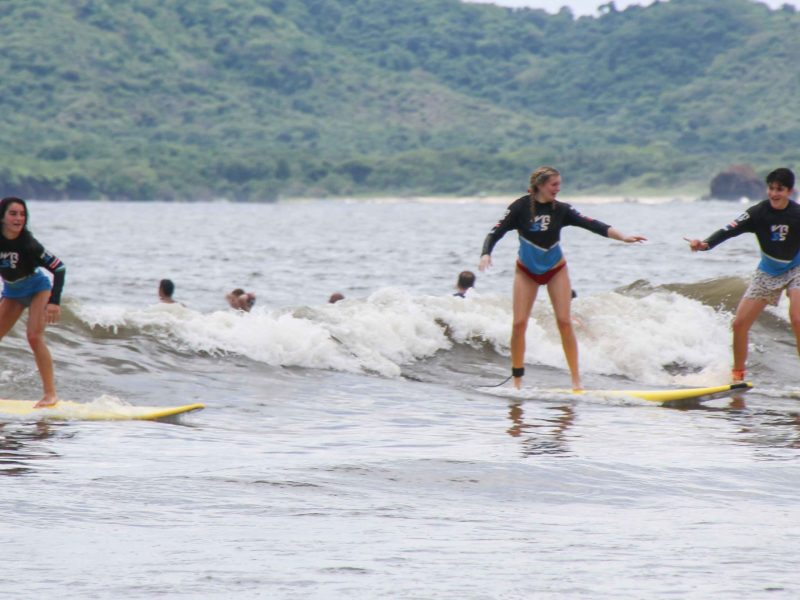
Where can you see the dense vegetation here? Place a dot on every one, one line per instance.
(255, 99)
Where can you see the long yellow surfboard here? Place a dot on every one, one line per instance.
(674, 395)
(67, 410)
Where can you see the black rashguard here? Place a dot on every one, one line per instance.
(20, 258)
(778, 233)
(539, 248)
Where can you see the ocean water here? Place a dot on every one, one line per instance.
(354, 450)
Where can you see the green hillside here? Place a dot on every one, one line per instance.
(257, 99)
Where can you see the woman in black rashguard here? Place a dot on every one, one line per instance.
(538, 218)
(25, 286)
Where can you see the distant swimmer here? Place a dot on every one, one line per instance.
(466, 280)
(26, 286)
(539, 218)
(335, 297)
(166, 288)
(241, 300)
(776, 225)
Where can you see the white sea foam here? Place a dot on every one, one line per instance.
(618, 335)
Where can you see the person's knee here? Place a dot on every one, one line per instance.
(740, 325)
(564, 323)
(519, 326)
(35, 339)
(794, 319)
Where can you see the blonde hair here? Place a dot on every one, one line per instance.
(540, 177)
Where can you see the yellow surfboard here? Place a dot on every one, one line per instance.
(674, 395)
(67, 410)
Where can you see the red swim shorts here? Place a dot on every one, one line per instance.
(543, 278)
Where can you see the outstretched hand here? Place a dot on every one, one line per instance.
(631, 239)
(485, 262)
(616, 234)
(696, 245)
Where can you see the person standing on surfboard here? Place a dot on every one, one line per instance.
(25, 286)
(776, 224)
(538, 218)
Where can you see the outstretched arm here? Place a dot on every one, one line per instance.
(504, 225)
(742, 223)
(615, 234)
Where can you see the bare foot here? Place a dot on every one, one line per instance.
(517, 383)
(48, 400)
(576, 386)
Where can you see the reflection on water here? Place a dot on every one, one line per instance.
(541, 436)
(756, 425)
(23, 444)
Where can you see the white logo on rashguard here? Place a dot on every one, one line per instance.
(9, 259)
(779, 233)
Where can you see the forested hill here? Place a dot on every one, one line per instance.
(256, 99)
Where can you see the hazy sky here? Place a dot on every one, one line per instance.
(589, 7)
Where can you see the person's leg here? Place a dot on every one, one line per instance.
(560, 291)
(10, 312)
(37, 319)
(746, 314)
(794, 313)
(524, 295)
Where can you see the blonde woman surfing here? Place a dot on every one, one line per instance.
(538, 218)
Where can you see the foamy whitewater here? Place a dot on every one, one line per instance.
(354, 450)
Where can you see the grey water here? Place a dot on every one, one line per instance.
(353, 451)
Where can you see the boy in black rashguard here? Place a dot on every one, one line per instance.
(776, 225)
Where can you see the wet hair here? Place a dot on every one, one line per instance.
(237, 292)
(5, 203)
(538, 178)
(166, 287)
(466, 279)
(783, 176)
(335, 297)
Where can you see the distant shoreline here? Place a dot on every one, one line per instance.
(506, 199)
(503, 199)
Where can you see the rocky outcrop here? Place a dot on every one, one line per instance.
(737, 182)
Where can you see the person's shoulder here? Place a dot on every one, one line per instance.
(792, 211)
(794, 206)
(30, 243)
(520, 202)
(755, 211)
(518, 208)
(561, 209)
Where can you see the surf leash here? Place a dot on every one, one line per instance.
(515, 372)
(499, 384)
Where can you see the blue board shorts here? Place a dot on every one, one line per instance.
(23, 290)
